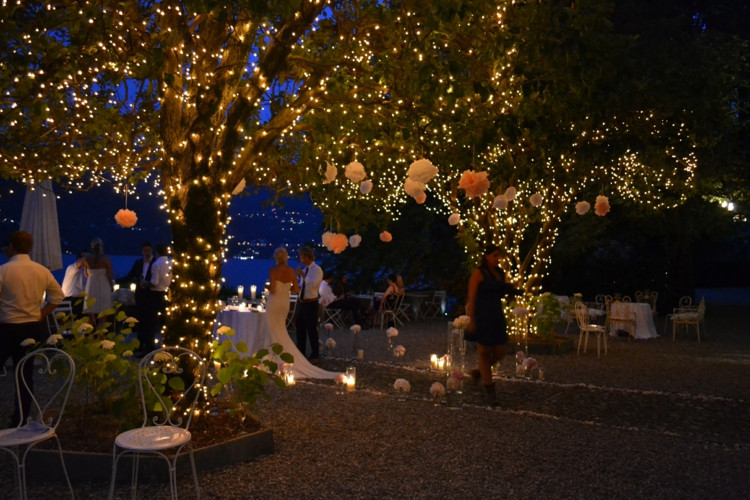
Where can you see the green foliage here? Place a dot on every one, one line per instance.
(245, 378)
(546, 313)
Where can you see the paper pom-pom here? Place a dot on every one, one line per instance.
(421, 198)
(583, 207)
(126, 218)
(422, 171)
(330, 343)
(391, 332)
(601, 207)
(454, 219)
(386, 237)
(501, 202)
(355, 240)
(339, 242)
(414, 188)
(355, 328)
(239, 187)
(355, 172)
(510, 193)
(474, 183)
(535, 200)
(330, 173)
(365, 187)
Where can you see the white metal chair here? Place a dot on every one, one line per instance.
(334, 317)
(292, 310)
(689, 316)
(585, 326)
(685, 303)
(435, 307)
(389, 312)
(171, 380)
(48, 400)
(53, 322)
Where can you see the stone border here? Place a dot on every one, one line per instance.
(44, 465)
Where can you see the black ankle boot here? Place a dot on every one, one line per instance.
(491, 396)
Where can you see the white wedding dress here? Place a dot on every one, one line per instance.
(98, 287)
(277, 309)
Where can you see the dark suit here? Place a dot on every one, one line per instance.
(146, 303)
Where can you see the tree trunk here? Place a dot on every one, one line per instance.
(198, 217)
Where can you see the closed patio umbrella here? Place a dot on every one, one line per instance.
(39, 217)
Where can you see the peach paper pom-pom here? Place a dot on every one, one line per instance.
(601, 207)
(126, 218)
(582, 207)
(386, 237)
(474, 183)
(454, 219)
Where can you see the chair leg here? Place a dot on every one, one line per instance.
(65, 470)
(598, 341)
(580, 339)
(195, 475)
(605, 335)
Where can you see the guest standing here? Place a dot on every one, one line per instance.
(74, 283)
(484, 306)
(22, 285)
(99, 279)
(161, 278)
(307, 317)
(140, 274)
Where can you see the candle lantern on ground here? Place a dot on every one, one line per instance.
(351, 378)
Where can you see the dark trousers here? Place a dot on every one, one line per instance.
(11, 336)
(351, 304)
(148, 305)
(307, 327)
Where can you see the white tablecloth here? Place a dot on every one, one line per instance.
(250, 326)
(644, 318)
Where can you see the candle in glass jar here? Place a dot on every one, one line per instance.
(115, 287)
(253, 291)
(289, 376)
(441, 364)
(434, 361)
(240, 290)
(132, 287)
(350, 378)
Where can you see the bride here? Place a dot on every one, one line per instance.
(283, 279)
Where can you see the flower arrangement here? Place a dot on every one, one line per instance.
(355, 329)
(386, 237)
(462, 322)
(28, 342)
(85, 328)
(391, 332)
(399, 351)
(355, 172)
(54, 339)
(474, 183)
(130, 321)
(328, 327)
(601, 207)
(107, 345)
(330, 343)
(455, 381)
(401, 384)
(126, 218)
(437, 390)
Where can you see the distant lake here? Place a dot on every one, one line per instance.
(236, 272)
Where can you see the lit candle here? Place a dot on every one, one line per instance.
(434, 361)
(253, 291)
(350, 378)
(361, 354)
(132, 287)
(116, 287)
(240, 290)
(289, 376)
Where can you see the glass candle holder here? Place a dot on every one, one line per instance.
(351, 378)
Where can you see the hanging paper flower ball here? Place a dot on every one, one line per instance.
(454, 219)
(510, 193)
(355, 240)
(126, 218)
(601, 207)
(422, 171)
(420, 199)
(535, 200)
(386, 237)
(582, 207)
(501, 202)
(330, 173)
(335, 242)
(414, 188)
(365, 187)
(355, 172)
(474, 183)
(239, 187)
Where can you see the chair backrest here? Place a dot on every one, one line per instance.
(53, 322)
(50, 394)
(685, 301)
(582, 314)
(639, 296)
(172, 380)
(702, 307)
(626, 298)
(392, 302)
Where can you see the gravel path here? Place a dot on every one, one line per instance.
(652, 419)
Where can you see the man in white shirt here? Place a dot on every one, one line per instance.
(23, 283)
(307, 316)
(160, 279)
(74, 283)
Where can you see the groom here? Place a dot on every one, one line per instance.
(307, 316)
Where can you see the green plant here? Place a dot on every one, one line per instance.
(245, 377)
(545, 313)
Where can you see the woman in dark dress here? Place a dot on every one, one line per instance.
(487, 288)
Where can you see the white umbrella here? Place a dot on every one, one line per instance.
(39, 217)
